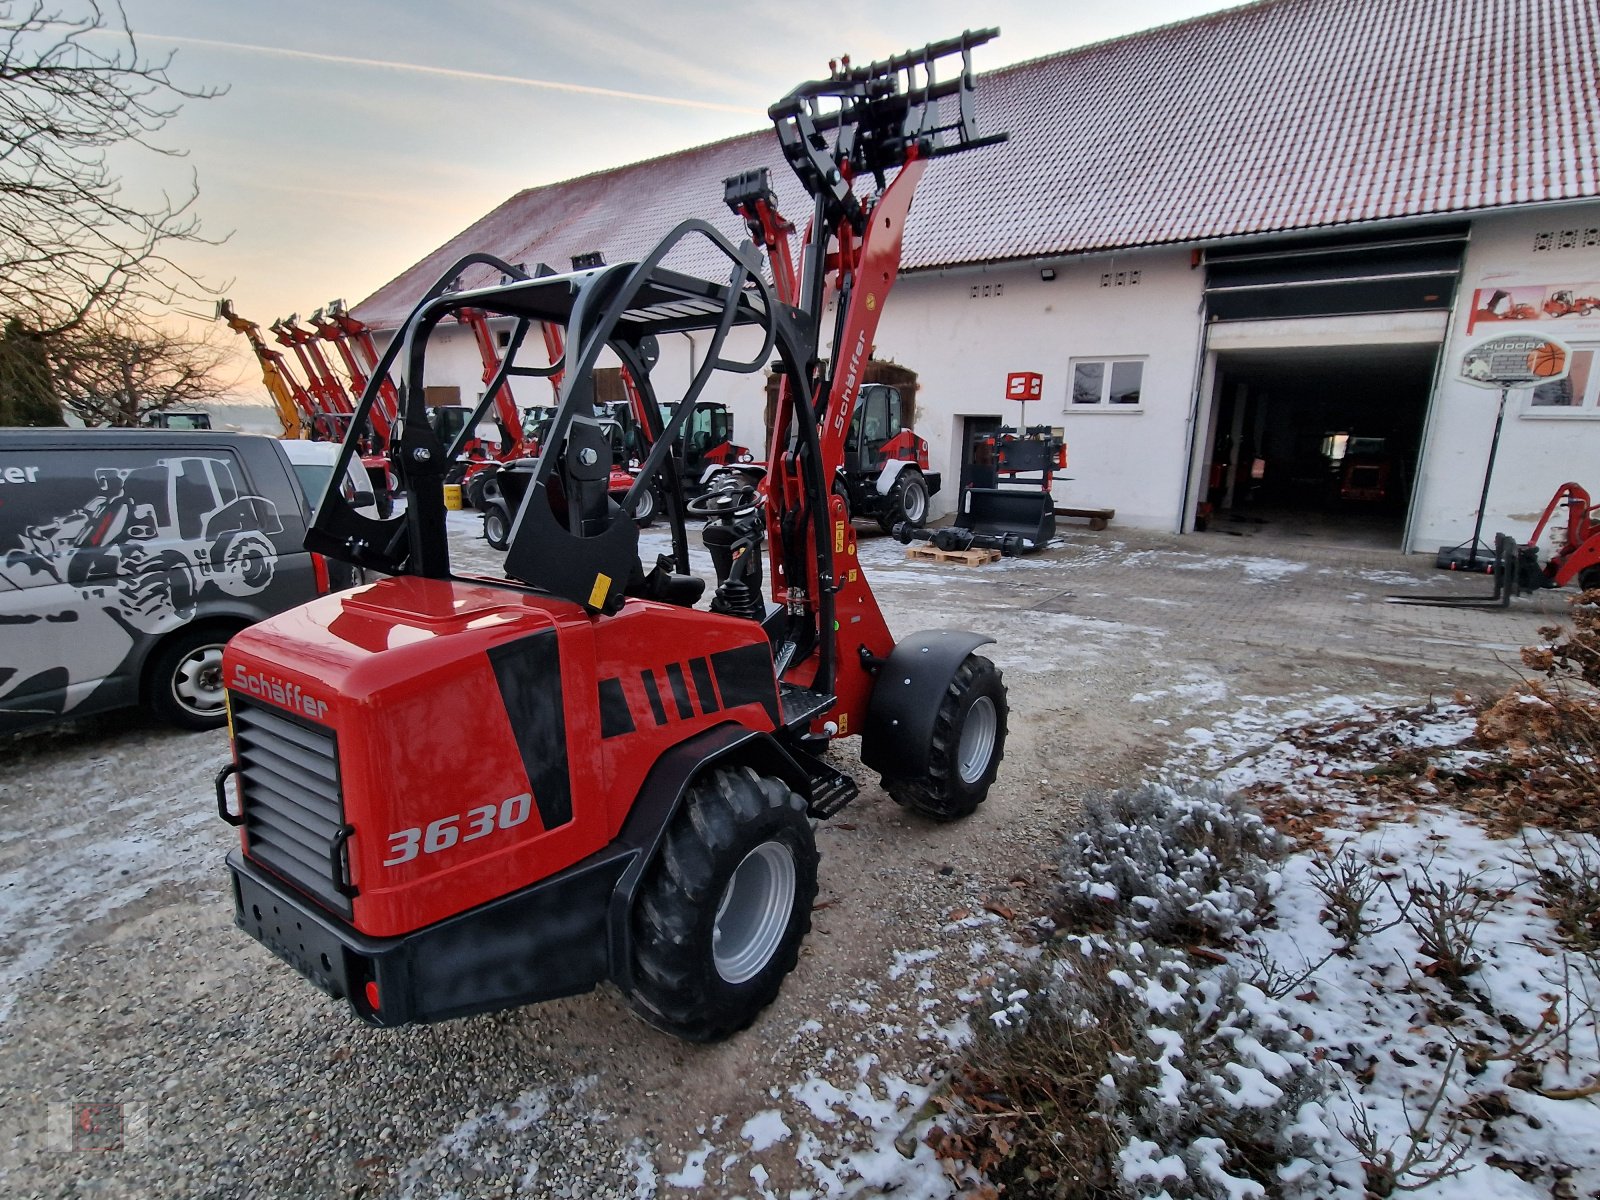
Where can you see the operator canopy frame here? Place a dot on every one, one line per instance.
(569, 538)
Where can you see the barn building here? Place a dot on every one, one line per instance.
(1247, 252)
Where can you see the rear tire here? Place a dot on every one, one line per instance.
(183, 681)
(908, 502)
(496, 525)
(969, 740)
(722, 913)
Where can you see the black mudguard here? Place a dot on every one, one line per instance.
(906, 697)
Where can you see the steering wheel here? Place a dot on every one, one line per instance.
(724, 502)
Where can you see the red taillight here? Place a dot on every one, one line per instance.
(319, 567)
(372, 994)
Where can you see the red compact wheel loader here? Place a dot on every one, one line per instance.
(461, 793)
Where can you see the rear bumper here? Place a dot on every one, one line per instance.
(545, 941)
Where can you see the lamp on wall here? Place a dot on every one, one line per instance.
(1047, 273)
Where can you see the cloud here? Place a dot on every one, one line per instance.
(551, 85)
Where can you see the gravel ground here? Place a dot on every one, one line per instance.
(123, 980)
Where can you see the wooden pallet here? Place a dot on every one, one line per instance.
(965, 558)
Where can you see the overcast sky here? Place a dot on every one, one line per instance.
(358, 136)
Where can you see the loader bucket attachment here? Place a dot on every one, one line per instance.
(1025, 513)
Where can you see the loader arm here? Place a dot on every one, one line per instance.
(332, 331)
(887, 117)
(358, 336)
(296, 410)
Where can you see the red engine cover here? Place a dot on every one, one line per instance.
(489, 737)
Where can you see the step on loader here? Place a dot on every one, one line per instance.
(460, 793)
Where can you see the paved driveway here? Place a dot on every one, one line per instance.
(122, 979)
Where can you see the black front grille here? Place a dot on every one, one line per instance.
(293, 809)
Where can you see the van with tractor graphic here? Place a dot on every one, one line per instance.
(127, 560)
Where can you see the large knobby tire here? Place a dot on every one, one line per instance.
(472, 491)
(496, 524)
(969, 740)
(183, 680)
(908, 502)
(722, 913)
(1589, 579)
(157, 593)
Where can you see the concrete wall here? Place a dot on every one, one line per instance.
(962, 345)
(1540, 448)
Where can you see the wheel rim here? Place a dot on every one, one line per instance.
(916, 504)
(753, 912)
(977, 740)
(646, 508)
(494, 528)
(197, 683)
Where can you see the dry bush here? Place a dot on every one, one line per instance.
(1569, 885)
(1546, 730)
(1119, 1067)
(1023, 1106)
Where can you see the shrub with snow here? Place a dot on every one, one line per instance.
(1128, 1071)
(1173, 864)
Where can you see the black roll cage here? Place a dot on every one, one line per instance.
(623, 307)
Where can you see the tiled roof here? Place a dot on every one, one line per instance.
(1280, 115)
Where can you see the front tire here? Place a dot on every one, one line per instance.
(243, 562)
(183, 683)
(908, 502)
(722, 913)
(842, 490)
(649, 505)
(969, 740)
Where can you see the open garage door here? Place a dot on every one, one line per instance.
(1321, 359)
(1316, 442)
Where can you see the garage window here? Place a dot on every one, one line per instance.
(1574, 396)
(1113, 382)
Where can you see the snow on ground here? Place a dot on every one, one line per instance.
(1493, 1046)
(167, 834)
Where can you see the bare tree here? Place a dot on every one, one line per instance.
(119, 371)
(74, 84)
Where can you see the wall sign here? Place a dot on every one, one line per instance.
(1024, 385)
(1516, 360)
(1571, 303)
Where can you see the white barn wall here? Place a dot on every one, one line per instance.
(962, 347)
(1538, 450)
